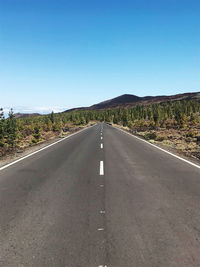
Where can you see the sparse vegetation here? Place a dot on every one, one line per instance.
(164, 122)
(150, 136)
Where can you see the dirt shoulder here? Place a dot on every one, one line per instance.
(174, 141)
(21, 152)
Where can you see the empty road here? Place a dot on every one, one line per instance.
(100, 198)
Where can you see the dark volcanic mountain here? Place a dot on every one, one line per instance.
(132, 100)
(128, 100)
(125, 101)
(120, 100)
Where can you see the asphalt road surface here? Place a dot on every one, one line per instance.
(100, 199)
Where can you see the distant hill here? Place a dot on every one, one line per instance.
(128, 100)
(132, 100)
(23, 115)
(120, 100)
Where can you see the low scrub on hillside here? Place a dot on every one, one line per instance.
(155, 122)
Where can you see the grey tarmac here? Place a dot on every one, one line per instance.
(57, 207)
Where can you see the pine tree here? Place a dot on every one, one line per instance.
(36, 134)
(11, 129)
(52, 117)
(2, 128)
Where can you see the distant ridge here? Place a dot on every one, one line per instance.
(23, 115)
(132, 100)
(128, 100)
(125, 101)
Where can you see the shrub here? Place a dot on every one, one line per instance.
(160, 138)
(150, 136)
(34, 141)
(191, 133)
(198, 138)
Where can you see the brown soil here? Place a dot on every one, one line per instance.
(174, 140)
(25, 147)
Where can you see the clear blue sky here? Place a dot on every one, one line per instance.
(63, 54)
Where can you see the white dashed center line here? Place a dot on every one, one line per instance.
(101, 172)
(102, 211)
(101, 168)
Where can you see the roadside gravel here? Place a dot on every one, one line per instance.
(30, 149)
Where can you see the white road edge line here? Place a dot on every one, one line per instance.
(37, 151)
(101, 169)
(101, 146)
(185, 160)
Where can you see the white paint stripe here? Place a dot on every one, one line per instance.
(101, 137)
(37, 151)
(175, 156)
(102, 211)
(100, 229)
(101, 169)
(101, 146)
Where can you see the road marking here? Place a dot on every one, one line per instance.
(101, 137)
(101, 146)
(101, 169)
(101, 133)
(102, 211)
(101, 185)
(100, 229)
(175, 156)
(37, 151)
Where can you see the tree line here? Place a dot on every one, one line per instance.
(178, 114)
